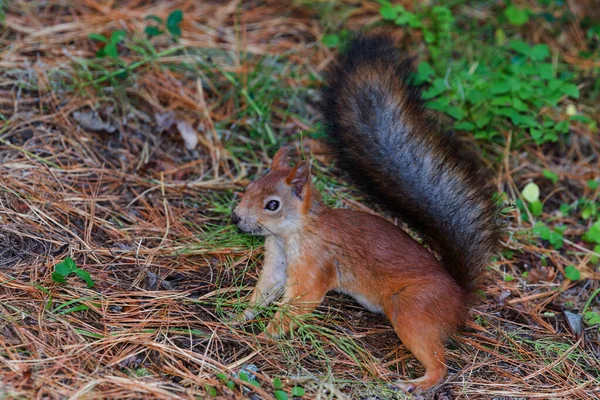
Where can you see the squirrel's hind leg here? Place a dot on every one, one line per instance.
(428, 348)
(425, 339)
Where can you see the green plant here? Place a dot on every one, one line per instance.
(173, 21)
(68, 267)
(154, 30)
(591, 317)
(65, 308)
(279, 393)
(244, 377)
(331, 40)
(593, 236)
(531, 193)
(114, 68)
(298, 391)
(110, 44)
(572, 273)
(516, 16)
(554, 235)
(436, 23)
(594, 259)
(46, 291)
(566, 209)
(593, 233)
(502, 89)
(229, 383)
(257, 95)
(550, 175)
(210, 390)
(589, 208)
(172, 25)
(141, 372)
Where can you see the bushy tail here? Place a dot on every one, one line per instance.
(385, 141)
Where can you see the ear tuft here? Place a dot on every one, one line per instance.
(299, 178)
(281, 159)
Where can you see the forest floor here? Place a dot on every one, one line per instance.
(128, 129)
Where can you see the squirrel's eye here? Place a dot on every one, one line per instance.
(272, 205)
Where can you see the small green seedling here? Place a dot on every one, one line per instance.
(336, 40)
(572, 273)
(244, 377)
(173, 21)
(589, 208)
(153, 30)
(229, 383)
(298, 391)
(331, 40)
(591, 318)
(593, 234)
(172, 24)
(279, 393)
(594, 259)
(210, 390)
(110, 45)
(555, 236)
(550, 175)
(66, 268)
(516, 16)
(531, 193)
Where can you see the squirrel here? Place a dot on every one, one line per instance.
(389, 145)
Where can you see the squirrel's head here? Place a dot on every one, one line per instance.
(276, 203)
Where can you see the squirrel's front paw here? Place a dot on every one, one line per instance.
(240, 318)
(264, 336)
(272, 331)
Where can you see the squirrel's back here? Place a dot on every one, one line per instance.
(390, 147)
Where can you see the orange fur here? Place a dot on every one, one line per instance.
(322, 249)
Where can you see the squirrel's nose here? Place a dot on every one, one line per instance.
(235, 218)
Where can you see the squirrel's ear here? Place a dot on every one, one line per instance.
(299, 178)
(281, 159)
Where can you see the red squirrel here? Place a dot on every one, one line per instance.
(390, 147)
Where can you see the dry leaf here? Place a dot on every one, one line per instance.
(544, 274)
(189, 134)
(503, 296)
(91, 121)
(164, 120)
(574, 323)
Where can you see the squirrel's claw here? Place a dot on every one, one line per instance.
(266, 337)
(405, 386)
(237, 319)
(415, 385)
